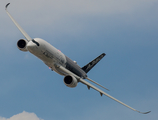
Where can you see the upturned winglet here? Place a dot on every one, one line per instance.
(7, 6)
(144, 112)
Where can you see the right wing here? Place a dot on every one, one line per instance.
(95, 88)
(17, 25)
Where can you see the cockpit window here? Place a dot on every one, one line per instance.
(35, 42)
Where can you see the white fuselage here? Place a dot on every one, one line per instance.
(47, 53)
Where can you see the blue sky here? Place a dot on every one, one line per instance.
(126, 30)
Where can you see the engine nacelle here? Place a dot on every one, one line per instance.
(21, 44)
(70, 81)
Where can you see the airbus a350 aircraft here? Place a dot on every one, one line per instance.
(60, 63)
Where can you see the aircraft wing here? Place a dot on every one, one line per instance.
(95, 88)
(17, 25)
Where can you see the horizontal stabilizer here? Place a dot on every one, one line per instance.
(97, 83)
(90, 65)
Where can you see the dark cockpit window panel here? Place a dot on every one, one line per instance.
(35, 42)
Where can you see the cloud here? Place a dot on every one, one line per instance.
(23, 116)
(60, 18)
(51, 11)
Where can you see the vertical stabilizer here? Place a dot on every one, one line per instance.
(90, 65)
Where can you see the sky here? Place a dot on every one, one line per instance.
(126, 30)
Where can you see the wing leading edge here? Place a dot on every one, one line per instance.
(97, 89)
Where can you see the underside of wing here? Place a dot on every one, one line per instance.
(97, 89)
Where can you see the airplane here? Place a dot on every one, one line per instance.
(60, 63)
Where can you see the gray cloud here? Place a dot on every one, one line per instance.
(41, 12)
(57, 18)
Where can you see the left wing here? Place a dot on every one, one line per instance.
(17, 25)
(95, 88)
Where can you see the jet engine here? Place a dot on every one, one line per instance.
(70, 81)
(21, 44)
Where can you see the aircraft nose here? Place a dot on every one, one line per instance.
(30, 46)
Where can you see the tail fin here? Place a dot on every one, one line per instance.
(90, 65)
